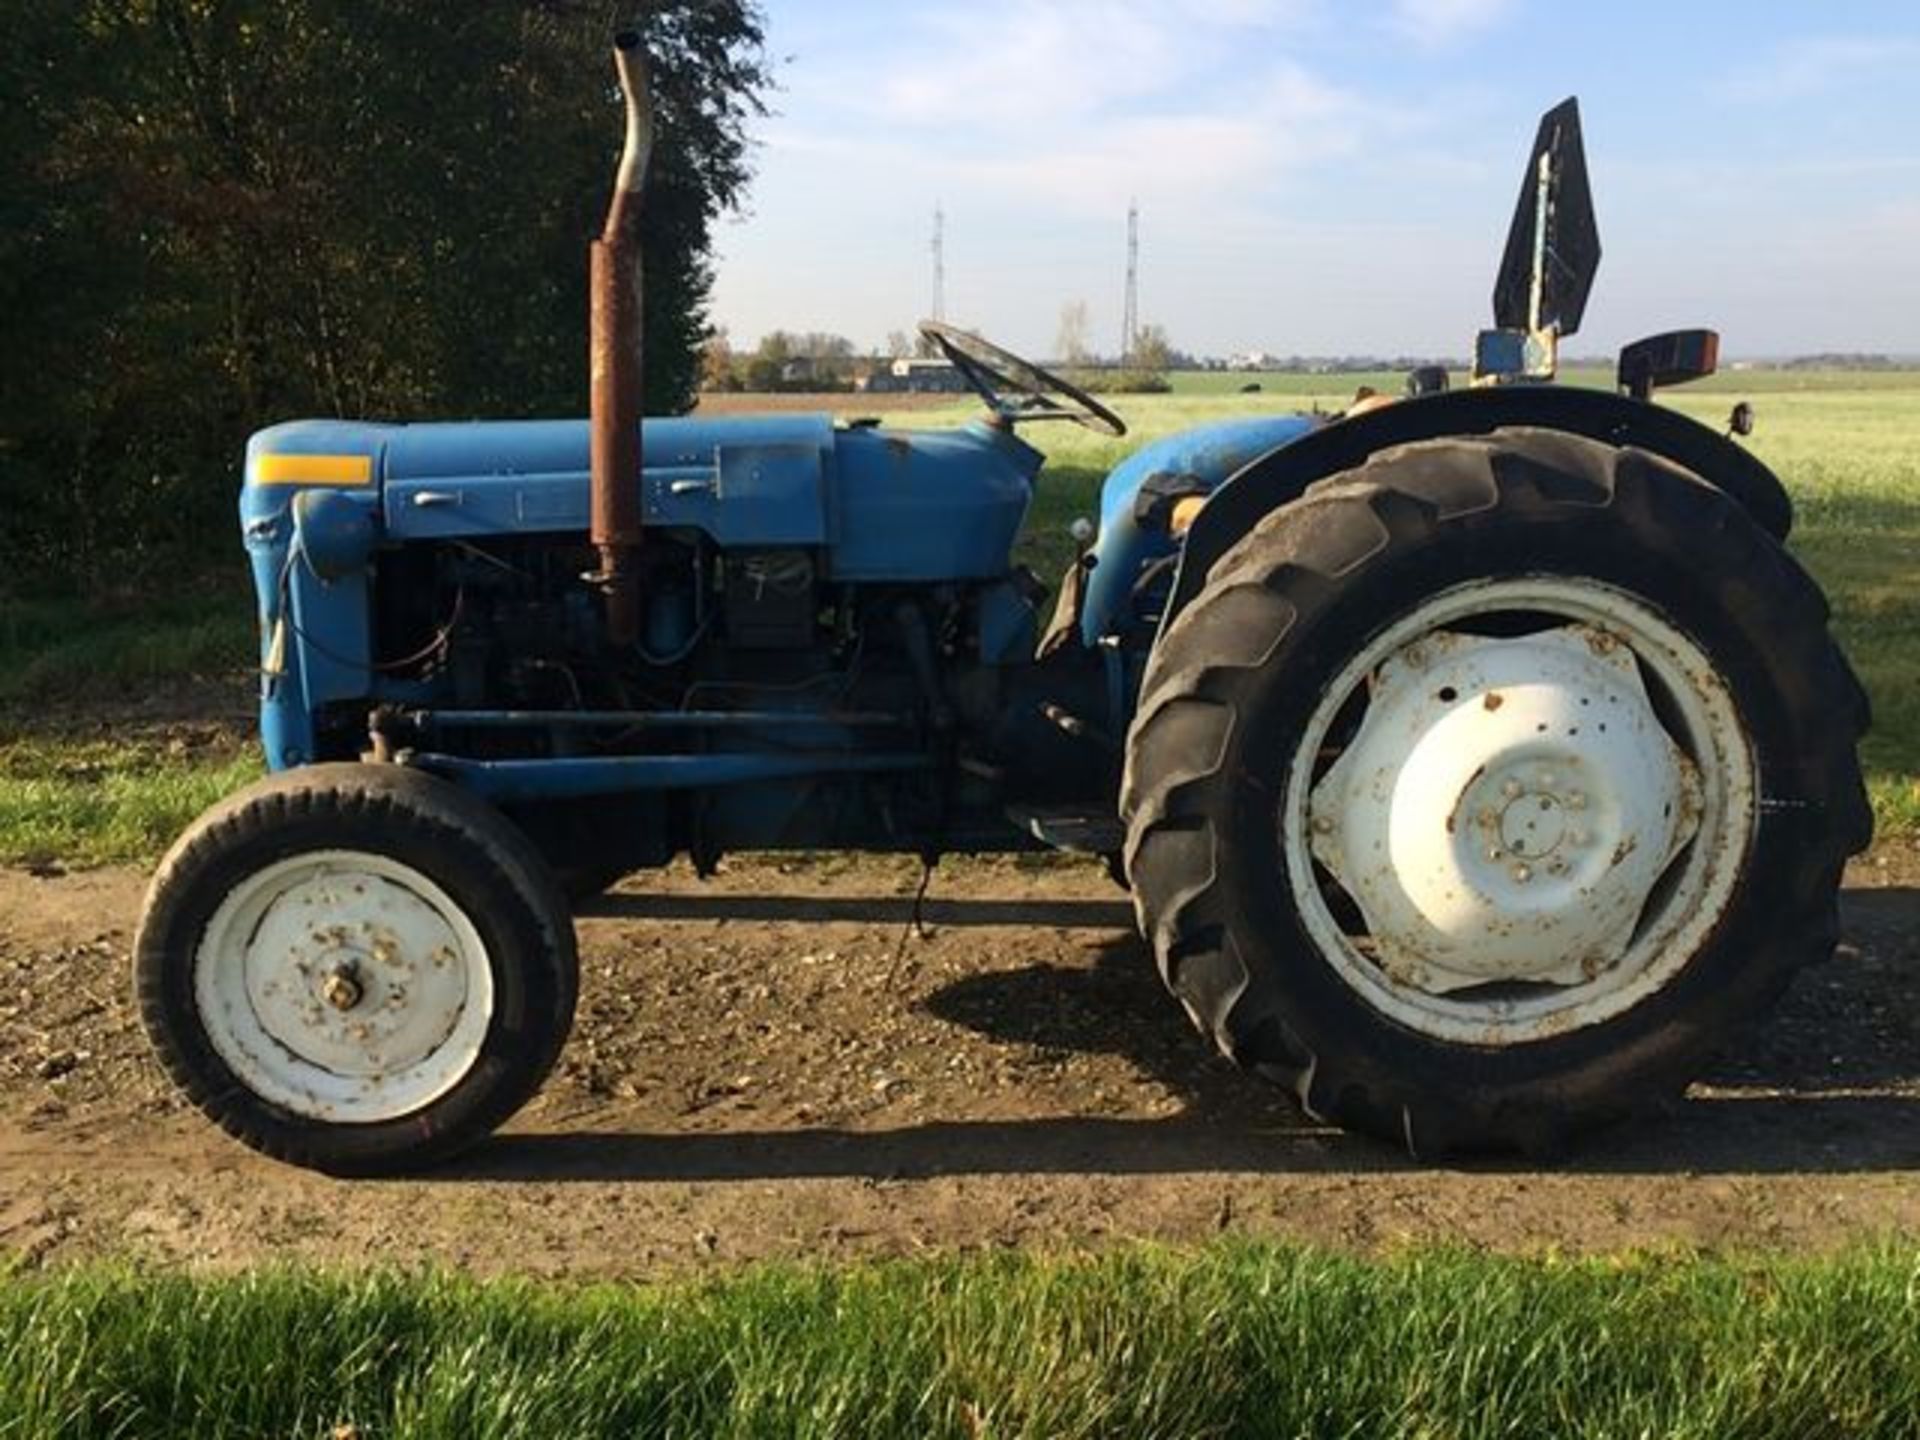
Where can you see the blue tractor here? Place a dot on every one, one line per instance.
(1479, 762)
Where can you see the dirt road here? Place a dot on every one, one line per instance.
(768, 1064)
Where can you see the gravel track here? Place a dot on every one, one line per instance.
(771, 1063)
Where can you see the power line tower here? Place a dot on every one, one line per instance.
(939, 262)
(1130, 316)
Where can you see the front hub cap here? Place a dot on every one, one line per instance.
(1518, 810)
(344, 986)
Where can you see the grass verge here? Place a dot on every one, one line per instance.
(1235, 1339)
(96, 762)
(96, 802)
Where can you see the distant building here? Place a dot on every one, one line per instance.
(914, 376)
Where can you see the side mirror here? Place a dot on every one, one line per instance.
(1740, 422)
(1672, 358)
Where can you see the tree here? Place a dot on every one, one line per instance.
(215, 214)
(766, 367)
(899, 347)
(1071, 345)
(716, 361)
(1151, 349)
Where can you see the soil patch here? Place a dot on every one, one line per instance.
(773, 1063)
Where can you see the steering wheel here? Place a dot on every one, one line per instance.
(1016, 389)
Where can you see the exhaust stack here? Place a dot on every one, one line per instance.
(614, 286)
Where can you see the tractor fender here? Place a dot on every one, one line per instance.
(1283, 475)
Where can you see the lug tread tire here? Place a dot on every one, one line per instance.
(468, 848)
(1244, 987)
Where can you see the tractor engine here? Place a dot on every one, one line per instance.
(832, 648)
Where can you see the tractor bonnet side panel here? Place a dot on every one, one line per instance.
(747, 481)
(929, 505)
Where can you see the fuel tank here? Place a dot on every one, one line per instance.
(1196, 461)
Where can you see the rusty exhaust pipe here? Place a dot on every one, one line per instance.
(614, 285)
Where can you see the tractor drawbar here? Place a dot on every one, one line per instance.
(614, 285)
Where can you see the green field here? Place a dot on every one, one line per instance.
(1846, 444)
(1222, 1341)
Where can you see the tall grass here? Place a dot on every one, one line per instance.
(1230, 1340)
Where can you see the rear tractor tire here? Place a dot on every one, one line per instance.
(357, 968)
(1487, 790)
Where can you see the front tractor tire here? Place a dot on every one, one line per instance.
(361, 969)
(1487, 790)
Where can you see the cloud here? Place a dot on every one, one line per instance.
(1435, 24)
(1076, 105)
(1194, 158)
(1032, 62)
(1801, 68)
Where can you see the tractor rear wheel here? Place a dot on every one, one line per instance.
(1488, 789)
(357, 968)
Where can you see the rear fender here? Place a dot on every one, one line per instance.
(1282, 475)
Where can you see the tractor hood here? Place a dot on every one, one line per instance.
(882, 504)
(1196, 461)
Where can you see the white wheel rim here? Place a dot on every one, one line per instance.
(343, 986)
(1508, 866)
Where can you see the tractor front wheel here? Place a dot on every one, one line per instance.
(1489, 788)
(357, 968)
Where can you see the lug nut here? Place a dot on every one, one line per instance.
(1576, 800)
(1522, 873)
(1322, 825)
(1511, 789)
(1496, 853)
(341, 989)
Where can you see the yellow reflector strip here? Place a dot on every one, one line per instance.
(313, 470)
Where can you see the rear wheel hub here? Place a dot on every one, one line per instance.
(1514, 812)
(1505, 808)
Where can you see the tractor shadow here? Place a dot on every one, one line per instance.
(1830, 1083)
(866, 910)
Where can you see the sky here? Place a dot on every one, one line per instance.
(1318, 177)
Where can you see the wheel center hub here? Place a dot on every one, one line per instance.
(355, 974)
(1504, 809)
(341, 987)
(1532, 825)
